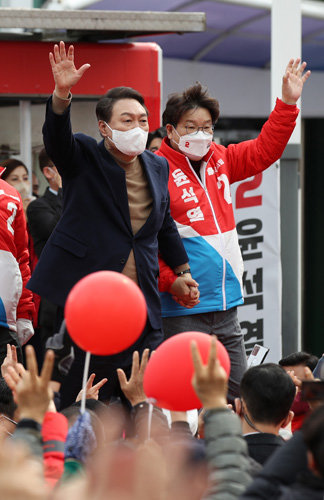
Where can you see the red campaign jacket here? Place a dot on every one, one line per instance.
(33, 259)
(54, 432)
(203, 211)
(15, 300)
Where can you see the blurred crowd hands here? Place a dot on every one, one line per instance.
(140, 468)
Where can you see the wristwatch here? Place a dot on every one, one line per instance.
(186, 271)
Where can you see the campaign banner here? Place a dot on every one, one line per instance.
(256, 203)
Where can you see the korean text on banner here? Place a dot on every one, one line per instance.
(257, 214)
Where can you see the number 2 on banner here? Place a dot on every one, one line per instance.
(243, 201)
(13, 208)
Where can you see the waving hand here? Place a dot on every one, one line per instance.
(64, 71)
(293, 81)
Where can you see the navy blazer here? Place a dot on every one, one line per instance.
(94, 232)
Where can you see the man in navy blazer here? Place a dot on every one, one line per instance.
(115, 209)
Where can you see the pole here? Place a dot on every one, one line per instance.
(286, 36)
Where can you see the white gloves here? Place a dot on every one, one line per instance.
(25, 330)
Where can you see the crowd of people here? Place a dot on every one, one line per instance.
(134, 452)
(155, 207)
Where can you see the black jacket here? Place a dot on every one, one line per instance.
(285, 476)
(262, 445)
(43, 214)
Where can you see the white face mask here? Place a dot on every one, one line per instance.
(195, 146)
(130, 142)
(23, 189)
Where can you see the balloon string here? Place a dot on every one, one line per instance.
(84, 381)
(150, 415)
(62, 327)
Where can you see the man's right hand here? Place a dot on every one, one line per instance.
(64, 71)
(184, 291)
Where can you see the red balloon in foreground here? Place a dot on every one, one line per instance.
(105, 313)
(169, 372)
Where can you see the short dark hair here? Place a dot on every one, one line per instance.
(7, 404)
(106, 103)
(313, 432)
(10, 164)
(300, 358)
(194, 97)
(268, 392)
(44, 160)
(159, 133)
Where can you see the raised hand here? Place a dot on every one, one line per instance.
(10, 360)
(209, 381)
(31, 391)
(92, 391)
(293, 81)
(64, 71)
(308, 376)
(133, 388)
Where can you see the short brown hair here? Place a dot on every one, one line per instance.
(106, 103)
(44, 160)
(195, 96)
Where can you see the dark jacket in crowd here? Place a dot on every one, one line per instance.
(262, 445)
(43, 214)
(286, 476)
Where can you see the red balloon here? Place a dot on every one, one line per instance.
(105, 313)
(169, 372)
